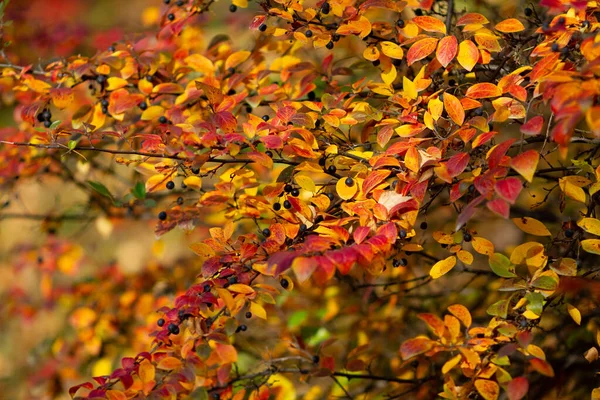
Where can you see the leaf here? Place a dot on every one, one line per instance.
(374, 179)
(462, 313)
(202, 249)
(482, 245)
(451, 363)
(489, 390)
(100, 188)
(152, 112)
(169, 363)
(414, 347)
(430, 24)
(569, 187)
(258, 310)
(454, 109)
(346, 192)
(146, 371)
(193, 182)
(304, 267)
(446, 50)
(534, 126)
(227, 353)
(472, 18)
(590, 225)
(392, 50)
(574, 313)
(526, 164)
(442, 267)
(542, 367)
(501, 265)
(409, 88)
(509, 189)
(457, 164)
(412, 159)
(240, 288)
(236, 59)
(510, 25)
(500, 207)
(498, 309)
(139, 191)
(421, 49)
(531, 226)
(483, 91)
(468, 54)
(591, 246)
(518, 388)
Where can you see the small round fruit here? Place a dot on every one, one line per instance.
(528, 12)
(242, 328)
(248, 314)
(403, 262)
(402, 234)
(266, 232)
(349, 182)
(467, 237)
(277, 206)
(162, 215)
(329, 45)
(325, 8)
(160, 322)
(288, 188)
(143, 106)
(104, 103)
(284, 283)
(423, 225)
(269, 153)
(262, 27)
(418, 12)
(162, 119)
(569, 233)
(331, 169)
(232, 8)
(308, 33)
(232, 280)
(195, 171)
(248, 109)
(47, 124)
(265, 118)
(101, 78)
(376, 63)
(287, 205)
(173, 328)
(315, 359)
(170, 185)
(206, 288)
(295, 192)
(171, 17)
(400, 23)
(179, 200)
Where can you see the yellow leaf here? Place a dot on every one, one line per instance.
(451, 363)
(152, 112)
(169, 363)
(591, 245)
(114, 394)
(389, 76)
(193, 182)
(156, 182)
(344, 191)
(590, 225)
(241, 288)
(570, 189)
(306, 183)
(574, 313)
(102, 367)
(258, 310)
(410, 90)
(202, 249)
(442, 267)
(392, 50)
(465, 257)
(488, 389)
(146, 371)
(531, 226)
(236, 59)
(114, 83)
(482, 246)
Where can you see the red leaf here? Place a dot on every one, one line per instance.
(497, 153)
(518, 388)
(483, 90)
(430, 24)
(526, 164)
(509, 189)
(414, 347)
(434, 322)
(542, 367)
(421, 49)
(74, 389)
(534, 126)
(454, 108)
(468, 211)
(374, 179)
(457, 164)
(446, 50)
(360, 234)
(499, 207)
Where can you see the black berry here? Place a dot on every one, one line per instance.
(295, 192)
(318, 219)
(195, 171)
(329, 45)
(325, 8)
(173, 328)
(101, 78)
(308, 33)
(160, 322)
(315, 359)
(423, 225)
(330, 196)
(170, 185)
(452, 82)
(528, 12)
(180, 200)
(47, 124)
(206, 288)
(467, 237)
(162, 215)
(112, 49)
(179, 3)
(336, 37)
(162, 119)
(402, 234)
(555, 47)
(262, 27)
(331, 169)
(569, 233)
(248, 314)
(265, 118)
(478, 111)
(143, 106)
(269, 153)
(277, 206)
(104, 103)
(104, 110)
(287, 205)
(322, 162)
(171, 17)
(403, 262)
(288, 188)
(248, 109)
(376, 63)
(232, 280)
(232, 8)
(242, 328)
(349, 182)
(400, 23)
(418, 12)
(266, 232)
(284, 283)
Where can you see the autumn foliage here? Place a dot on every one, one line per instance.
(380, 199)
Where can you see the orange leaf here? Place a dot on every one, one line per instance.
(454, 108)
(146, 371)
(483, 90)
(411, 159)
(510, 25)
(226, 352)
(542, 367)
(472, 18)
(430, 24)
(374, 179)
(526, 164)
(236, 59)
(534, 126)
(258, 310)
(462, 313)
(489, 390)
(414, 347)
(421, 49)
(468, 54)
(169, 363)
(518, 388)
(446, 50)
(434, 323)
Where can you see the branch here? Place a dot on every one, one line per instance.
(449, 14)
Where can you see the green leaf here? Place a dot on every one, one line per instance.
(55, 124)
(545, 283)
(297, 318)
(501, 265)
(499, 309)
(286, 174)
(100, 188)
(139, 191)
(535, 303)
(72, 144)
